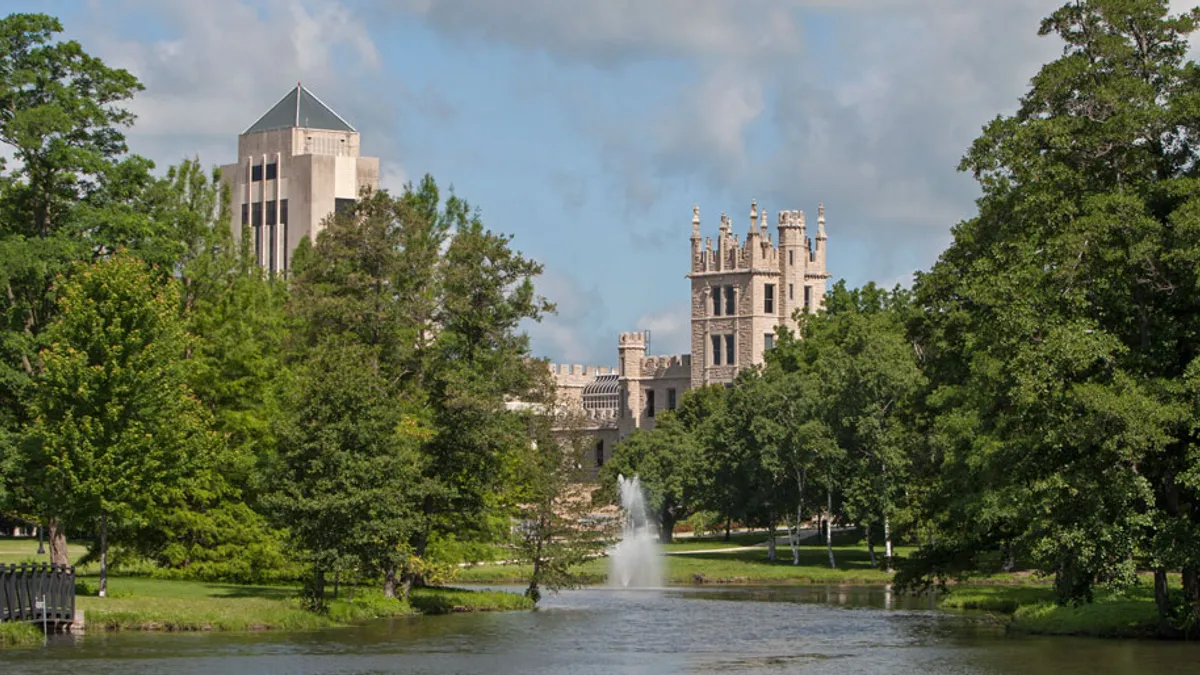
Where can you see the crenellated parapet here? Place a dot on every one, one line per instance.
(760, 251)
(664, 367)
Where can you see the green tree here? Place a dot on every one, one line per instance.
(1058, 329)
(117, 434)
(73, 195)
(553, 533)
(668, 460)
(347, 479)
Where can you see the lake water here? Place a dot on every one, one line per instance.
(686, 630)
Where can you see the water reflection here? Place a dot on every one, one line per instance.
(800, 629)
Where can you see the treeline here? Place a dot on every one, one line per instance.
(163, 397)
(1036, 399)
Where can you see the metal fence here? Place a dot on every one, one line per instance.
(37, 592)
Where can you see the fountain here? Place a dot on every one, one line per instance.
(635, 561)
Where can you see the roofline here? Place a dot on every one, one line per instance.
(327, 107)
(296, 124)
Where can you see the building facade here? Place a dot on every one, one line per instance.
(742, 291)
(296, 165)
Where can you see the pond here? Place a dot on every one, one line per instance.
(796, 629)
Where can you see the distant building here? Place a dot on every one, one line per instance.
(741, 293)
(296, 165)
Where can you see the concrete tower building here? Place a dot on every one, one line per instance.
(297, 164)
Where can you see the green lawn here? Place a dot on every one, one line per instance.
(1113, 614)
(24, 549)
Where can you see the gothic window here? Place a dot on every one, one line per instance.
(729, 350)
(791, 291)
(670, 399)
(807, 297)
(768, 341)
(730, 305)
(791, 257)
(716, 298)
(716, 350)
(769, 298)
(649, 403)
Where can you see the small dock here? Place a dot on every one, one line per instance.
(40, 593)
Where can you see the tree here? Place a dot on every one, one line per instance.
(1058, 327)
(116, 432)
(72, 196)
(553, 533)
(475, 360)
(350, 463)
(668, 461)
(347, 479)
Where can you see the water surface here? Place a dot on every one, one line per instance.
(796, 629)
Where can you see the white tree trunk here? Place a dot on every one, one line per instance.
(887, 540)
(103, 591)
(771, 541)
(795, 540)
(829, 527)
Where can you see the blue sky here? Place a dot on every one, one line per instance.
(587, 129)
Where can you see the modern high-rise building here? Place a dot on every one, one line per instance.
(297, 164)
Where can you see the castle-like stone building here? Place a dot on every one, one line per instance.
(742, 291)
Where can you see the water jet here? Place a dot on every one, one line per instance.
(635, 561)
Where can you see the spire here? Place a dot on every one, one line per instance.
(821, 221)
(753, 216)
(696, 222)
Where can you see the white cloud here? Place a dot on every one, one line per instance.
(670, 330)
(575, 333)
(221, 64)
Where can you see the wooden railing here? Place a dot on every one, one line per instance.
(37, 592)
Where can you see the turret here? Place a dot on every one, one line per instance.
(697, 242)
(631, 349)
(820, 243)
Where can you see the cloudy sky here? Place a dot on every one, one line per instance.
(589, 128)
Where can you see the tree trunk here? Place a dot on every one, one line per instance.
(41, 540)
(887, 541)
(1191, 588)
(389, 583)
(829, 527)
(871, 547)
(58, 543)
(103, 554)
(771, 539)
(667, 532)
(1162, 598)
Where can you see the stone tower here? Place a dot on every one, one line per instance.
(631, 350)
(741, 292)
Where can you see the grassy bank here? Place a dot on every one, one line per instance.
(715, 561)
(1127, 614)
(19, 635)
(150, 604)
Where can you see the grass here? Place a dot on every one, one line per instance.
(729, 567)
(1127, 614)
(19, 634)
(137, 603)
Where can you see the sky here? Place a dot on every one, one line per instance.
(588, 129)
